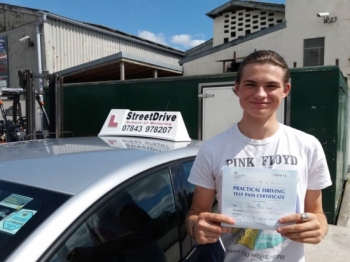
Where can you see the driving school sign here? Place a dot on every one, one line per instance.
(155, 124)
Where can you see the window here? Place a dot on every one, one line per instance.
(226, 40)
(233, 34)
(22, 210)
(138, 222)
(183, 192)
(185, 173)
(226, 31)
(314, 51)
(247, 32)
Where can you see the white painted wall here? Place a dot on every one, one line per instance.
(302, 23)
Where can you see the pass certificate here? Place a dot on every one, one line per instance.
(258, 197)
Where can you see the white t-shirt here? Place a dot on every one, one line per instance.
(287, 149)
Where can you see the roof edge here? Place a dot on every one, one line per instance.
(224, 46)
(251, 4)
(118, 56)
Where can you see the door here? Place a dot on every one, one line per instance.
(221, 109)
(135, 222)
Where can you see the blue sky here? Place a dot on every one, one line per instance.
(180, 24)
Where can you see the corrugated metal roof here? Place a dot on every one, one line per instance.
(38, 12)
(200, 48)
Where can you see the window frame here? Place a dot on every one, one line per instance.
(177, 176)
(320, 49)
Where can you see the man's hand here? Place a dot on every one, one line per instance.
(207, 228)
(310, 231)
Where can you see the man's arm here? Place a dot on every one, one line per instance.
(313, 204)
(201, 224)
(311, 231)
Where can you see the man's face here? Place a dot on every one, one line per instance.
(261, 90)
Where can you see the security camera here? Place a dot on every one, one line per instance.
(322, 14)
(23, 39)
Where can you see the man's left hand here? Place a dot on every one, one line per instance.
(307, 230)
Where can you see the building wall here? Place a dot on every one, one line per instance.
(302, 23)
(20, 55)
(16, 23)
(65, 44)
(232, 25)
(209, 65)
(68, 45)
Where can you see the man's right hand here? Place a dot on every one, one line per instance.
(207, 228)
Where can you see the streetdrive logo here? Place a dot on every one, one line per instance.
(112, 122)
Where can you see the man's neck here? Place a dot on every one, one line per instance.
(258, 128)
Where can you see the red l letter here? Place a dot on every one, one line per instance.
(112, 122)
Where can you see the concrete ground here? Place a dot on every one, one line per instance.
(336, 245)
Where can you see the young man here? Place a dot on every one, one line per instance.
(262, 82)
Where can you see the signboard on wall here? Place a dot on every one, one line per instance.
(4, 72)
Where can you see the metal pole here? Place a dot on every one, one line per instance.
(122, 71)
(56, 104)
(30, 103)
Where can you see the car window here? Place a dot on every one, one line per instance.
(183, 201)
(189, 188)
(138, 223)
(22, 210)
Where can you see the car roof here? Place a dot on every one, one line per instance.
(69, 165)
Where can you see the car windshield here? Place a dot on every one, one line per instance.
(22, 210)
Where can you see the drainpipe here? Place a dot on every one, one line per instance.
(39, 81)
(38, 50)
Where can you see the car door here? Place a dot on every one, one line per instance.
(135, 222)
(191, 249)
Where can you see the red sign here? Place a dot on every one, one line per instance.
(112, 122)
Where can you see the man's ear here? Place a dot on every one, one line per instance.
(286, 91)
(235, 88)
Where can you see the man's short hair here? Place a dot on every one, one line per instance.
(264, 57)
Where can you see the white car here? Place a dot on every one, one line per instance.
(107, 198)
